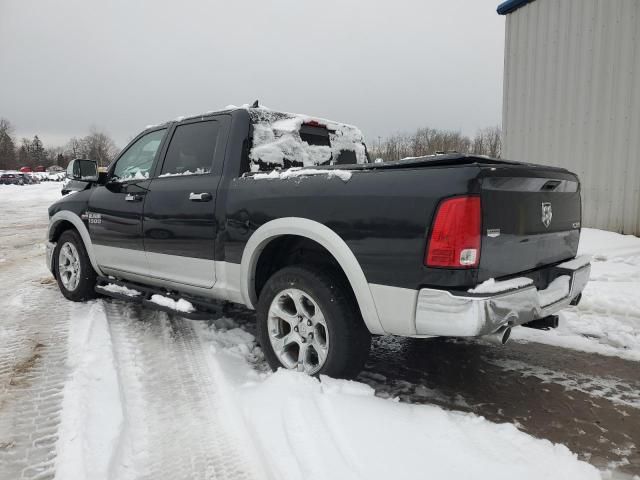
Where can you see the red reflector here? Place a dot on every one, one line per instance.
(313, 123)
(455, 238)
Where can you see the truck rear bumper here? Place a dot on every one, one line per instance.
(445, 313)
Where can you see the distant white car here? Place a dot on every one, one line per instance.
(55, 176)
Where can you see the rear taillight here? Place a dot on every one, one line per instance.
(455, 237)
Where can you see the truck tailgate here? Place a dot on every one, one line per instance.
(530, 218)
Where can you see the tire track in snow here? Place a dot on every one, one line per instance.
(173, 416)
(32, 374)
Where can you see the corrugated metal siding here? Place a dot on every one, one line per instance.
(572, 98)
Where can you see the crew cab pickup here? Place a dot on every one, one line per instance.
(287, 215)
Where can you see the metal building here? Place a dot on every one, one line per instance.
(572, 98)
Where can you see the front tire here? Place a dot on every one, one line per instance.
(74, 272)
(309, 321)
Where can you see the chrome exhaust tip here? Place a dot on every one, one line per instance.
(500, 336)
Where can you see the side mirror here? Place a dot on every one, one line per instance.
(84, 170)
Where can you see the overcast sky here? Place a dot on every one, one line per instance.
(385, 66)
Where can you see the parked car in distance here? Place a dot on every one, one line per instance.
(56, 176)
(285, 214)
(11, 178)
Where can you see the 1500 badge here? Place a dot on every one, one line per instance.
(92, 217)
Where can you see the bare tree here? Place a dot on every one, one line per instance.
(96, 146)
(73, 148)
(57, 156)
(100, 147)
(488, 141)
(429, 141)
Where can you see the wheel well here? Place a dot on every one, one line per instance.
(59, 228)
(287, 250)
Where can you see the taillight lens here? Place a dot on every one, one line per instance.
(455, 237)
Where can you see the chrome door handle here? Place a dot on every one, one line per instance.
(200, 197)
(133, 198)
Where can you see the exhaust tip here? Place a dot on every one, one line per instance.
(506, 335)
(500, 336)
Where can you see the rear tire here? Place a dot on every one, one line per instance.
(309, 321)
(72, 266)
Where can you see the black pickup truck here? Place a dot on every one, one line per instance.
(287, 215)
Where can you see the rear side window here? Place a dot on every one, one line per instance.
(191, 149)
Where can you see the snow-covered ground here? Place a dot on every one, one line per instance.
(106, 390)
(607, 320)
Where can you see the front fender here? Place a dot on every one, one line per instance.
(78, 224)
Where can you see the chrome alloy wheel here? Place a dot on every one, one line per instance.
(298, 331)
(69, 266)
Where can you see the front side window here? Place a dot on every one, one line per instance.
(136, 162)
(191, 149)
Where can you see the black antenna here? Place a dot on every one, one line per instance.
(255, 104)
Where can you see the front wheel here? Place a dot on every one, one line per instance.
(308, 321)
(74, 272)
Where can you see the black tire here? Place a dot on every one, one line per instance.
(349, 338)
(85, 290)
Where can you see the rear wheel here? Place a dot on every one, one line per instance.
(74, 272)
(308, 321)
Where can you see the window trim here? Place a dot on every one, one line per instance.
(112, 168)
(157, 171)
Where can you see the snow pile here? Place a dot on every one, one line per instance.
(295, 172)
(180, 305)
(493, 286)
(607, 320)
(303, 427)
(113, 288)
(276, 138)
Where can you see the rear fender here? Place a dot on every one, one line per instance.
(328, 239)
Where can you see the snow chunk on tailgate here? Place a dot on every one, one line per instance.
(494, 286)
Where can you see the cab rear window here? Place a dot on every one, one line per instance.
(282, 140)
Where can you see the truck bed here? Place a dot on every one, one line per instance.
(386, 209)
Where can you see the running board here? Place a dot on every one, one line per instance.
(141, 294)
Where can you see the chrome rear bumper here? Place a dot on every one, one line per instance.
(444, 313)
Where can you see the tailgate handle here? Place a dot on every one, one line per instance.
(200, 197)
(550, 186)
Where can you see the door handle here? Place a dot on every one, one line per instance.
(132, 197)
(200, 197)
